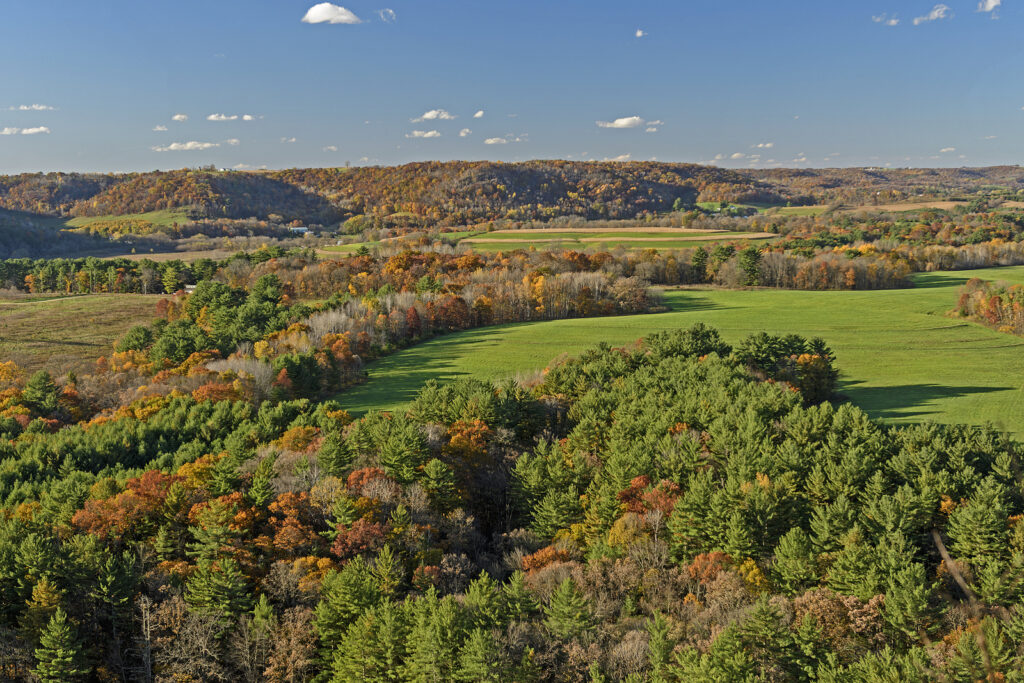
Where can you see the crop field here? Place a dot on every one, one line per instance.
(68, 333)
(581, 238)
(902, 359)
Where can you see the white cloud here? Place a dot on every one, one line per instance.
(387, 15)
(624, 122)
(248, 117)
(621, 157)
(464, 132)
(479, 114)
(179, 117)
(234, 142)
(763, 145)
(886, 19)
(329, 13)
(159, 129)
(192, 146)
(495, 141)
(651, 129)
(938, 12)
(991, 137)
(331, 148)
(945, 150)
(35, 131)
(989, 5)
(288, 141)
(244, 167)
(222, 117)
(737, 155)
(32, 107)
(423, 134)
(435, 115)
(640, 33)
(9, 131)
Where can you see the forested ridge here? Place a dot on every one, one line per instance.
(454, 193)
(678, 510)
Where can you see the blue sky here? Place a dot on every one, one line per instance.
(90, 85)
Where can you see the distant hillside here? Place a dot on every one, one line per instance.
(458, 192)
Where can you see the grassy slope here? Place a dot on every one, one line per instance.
(160, 218)
(60, 334)
(901, 358)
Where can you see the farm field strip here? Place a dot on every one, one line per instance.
(901, 358)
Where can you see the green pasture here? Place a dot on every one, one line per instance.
(165, 218)
(902, 358)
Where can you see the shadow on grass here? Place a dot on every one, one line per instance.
(682, 301)
(905, 400)
(938, 280)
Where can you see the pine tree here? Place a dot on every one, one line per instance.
(40, 609)
(439, 483)
(40, 393)
(738, 541)
(978, 529)
(59, 655)
(568, 612)
(220, 588)
(261, 491)
(477, 660)
(387, 572)
(374, 647)
(795, 567)
(335, 457)
(906, 607)
(484, 602)
(519, 602)
(345, 595)
(659, 648)
(434, 639)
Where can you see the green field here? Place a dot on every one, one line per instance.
(69, 333)
(901, 358)
(165, 218)
(607, 239)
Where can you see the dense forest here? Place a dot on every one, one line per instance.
(454, 193)
(679, 510)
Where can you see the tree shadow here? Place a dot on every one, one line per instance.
(939, 280)
(900, 401)
(690, 300)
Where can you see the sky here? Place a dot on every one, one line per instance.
(119, 85)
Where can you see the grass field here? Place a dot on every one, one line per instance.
(164, 218)
(61, 334)
(610, 238)
(901, 358)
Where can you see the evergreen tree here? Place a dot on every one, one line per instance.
(59, 657)
(478, 660)
(261, 491)
(484, 602)
(519, 602)
(795, 567)
(219, 588)
(434, 639)
(345, 595)
(335, 456)
(568, 612)
(40, 393)
(659, 648)
(439, 482)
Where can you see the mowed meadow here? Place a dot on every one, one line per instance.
(902, 358)
(58, 334)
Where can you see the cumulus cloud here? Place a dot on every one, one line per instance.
(248, 117)
(179, 117)
(331, 148)
(159, 129)
(621, 157)
(423, 134)
(624, 122)
(387, 15)
(991, 137)
(435, 115)
(737, 155)
(32, 107)
(329, 13)
(989, 5)
(288, 141)
(465, 132)
(191, 146)
(230, 117)
(479, 114)
(495, 141)
(886, 19)
(946, 150)
(234, 142)
(938, 12)
(651, 129)
(763, 145)
(9, 131)
(640, 33)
